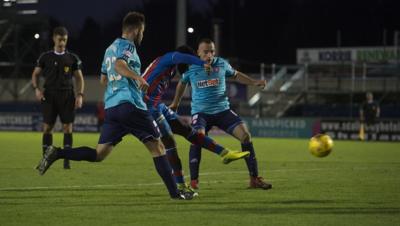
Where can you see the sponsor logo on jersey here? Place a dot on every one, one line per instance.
(66, 69)
(215, 69)
(208, 83)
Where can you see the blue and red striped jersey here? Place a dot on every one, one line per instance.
(160, 72)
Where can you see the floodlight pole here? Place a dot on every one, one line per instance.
(180, 22)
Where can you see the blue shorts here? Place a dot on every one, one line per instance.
(163, 114)
(226, 120)
(124, 119)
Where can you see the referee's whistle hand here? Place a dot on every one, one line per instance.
(39, 95)
(78, 102)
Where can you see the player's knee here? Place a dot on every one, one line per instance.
(47, 128)
(155, 147)
(201, 131)
(67, 128)
(102, 151)
(168, 141)
(246, 137)
(100, 156)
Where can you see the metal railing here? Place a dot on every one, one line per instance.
(291, 84)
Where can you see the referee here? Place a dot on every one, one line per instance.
(57, 96)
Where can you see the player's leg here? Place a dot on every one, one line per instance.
(65, 104)
(199, 125)
(49, 113)
(142, 125)
(85, 153)
(184, 129)
(110, 136)
(194, 163)
(47, 137)
(67, 129)
(199, 138)
(162, 166)
(168, 140)
(172, 155)
(231, 123)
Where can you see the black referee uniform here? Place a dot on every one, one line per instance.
(59, 97)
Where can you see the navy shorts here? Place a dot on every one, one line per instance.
(162, 114)
(226, 120)
(124, 119)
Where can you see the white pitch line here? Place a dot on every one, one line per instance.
(151, 184)
(267, 171)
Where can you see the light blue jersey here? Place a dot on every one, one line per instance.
(121, 89)
(209, 90)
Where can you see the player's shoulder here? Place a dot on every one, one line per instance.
(73, 55)
(45, 54)
(126, 44)
(194, 68)
(219, 61)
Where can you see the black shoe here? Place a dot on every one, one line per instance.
(66, 164)
(184, 196)
(50, 156)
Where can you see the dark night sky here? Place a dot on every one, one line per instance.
(253, 31)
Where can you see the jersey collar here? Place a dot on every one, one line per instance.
(57, 53)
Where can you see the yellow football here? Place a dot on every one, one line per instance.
(320, 145)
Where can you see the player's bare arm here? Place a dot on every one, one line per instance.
(80, 84)
(35, 76)
(103, 79)
(244, 79)
(121, 67)
(180, 90)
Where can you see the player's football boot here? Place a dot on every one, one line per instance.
(183, 196)
(258, 182)
(230, 156)
(49, 157)
(182, 188)
(194, 184)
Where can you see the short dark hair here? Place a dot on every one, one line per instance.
(60, 31)
(206, 40)
(186, 49)
(182, 68)
(132, 20)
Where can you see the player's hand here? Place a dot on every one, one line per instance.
(261, 83)
(39, 95)
(78, 101)
(207, 68)
(143, 85)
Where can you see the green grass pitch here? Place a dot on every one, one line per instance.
(358, 184)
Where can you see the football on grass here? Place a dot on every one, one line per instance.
(320, 145)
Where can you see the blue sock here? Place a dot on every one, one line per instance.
(78, 154)
(164, 170)
(251, 161)
(176, 165)
(205, 142)
(194, 161)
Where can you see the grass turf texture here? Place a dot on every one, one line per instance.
(358, 184)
